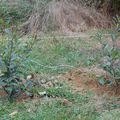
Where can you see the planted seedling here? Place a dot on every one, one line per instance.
(14, 56)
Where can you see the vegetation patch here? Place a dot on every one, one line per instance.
(54, 77)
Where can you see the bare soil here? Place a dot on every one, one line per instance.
(87, 79)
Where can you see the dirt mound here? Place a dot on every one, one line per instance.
(65, 16)
(87, 79)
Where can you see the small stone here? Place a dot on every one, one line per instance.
(43, 93)
(29, 77)
(29, 110)
(43, 81)
(50, 84)
(66, 102)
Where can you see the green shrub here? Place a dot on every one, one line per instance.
(14, 57)
(112, 55)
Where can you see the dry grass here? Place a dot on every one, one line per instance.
(65, 16)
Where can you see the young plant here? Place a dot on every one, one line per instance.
(112, 55)
(14, 56)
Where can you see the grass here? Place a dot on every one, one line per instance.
(51, 57)
(52, 108)
(79, 107)
(60, 55)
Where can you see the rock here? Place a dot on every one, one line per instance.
(49, 84)
(43, 81)
(31, 76)
(66, 102)
(44, 93)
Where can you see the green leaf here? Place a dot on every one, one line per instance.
(2, 83)
(102, 80)
(9, 89)
(28, 93)
(0, 61)
(113, 36)
(8, 31)
(118, 28)
(115, 54)
(1, 21)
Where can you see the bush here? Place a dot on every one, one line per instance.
(14, 57)
(112, 55)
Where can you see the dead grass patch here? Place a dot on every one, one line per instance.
(65, 16)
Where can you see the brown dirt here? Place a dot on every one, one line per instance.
(86, 79)
(2, 93)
